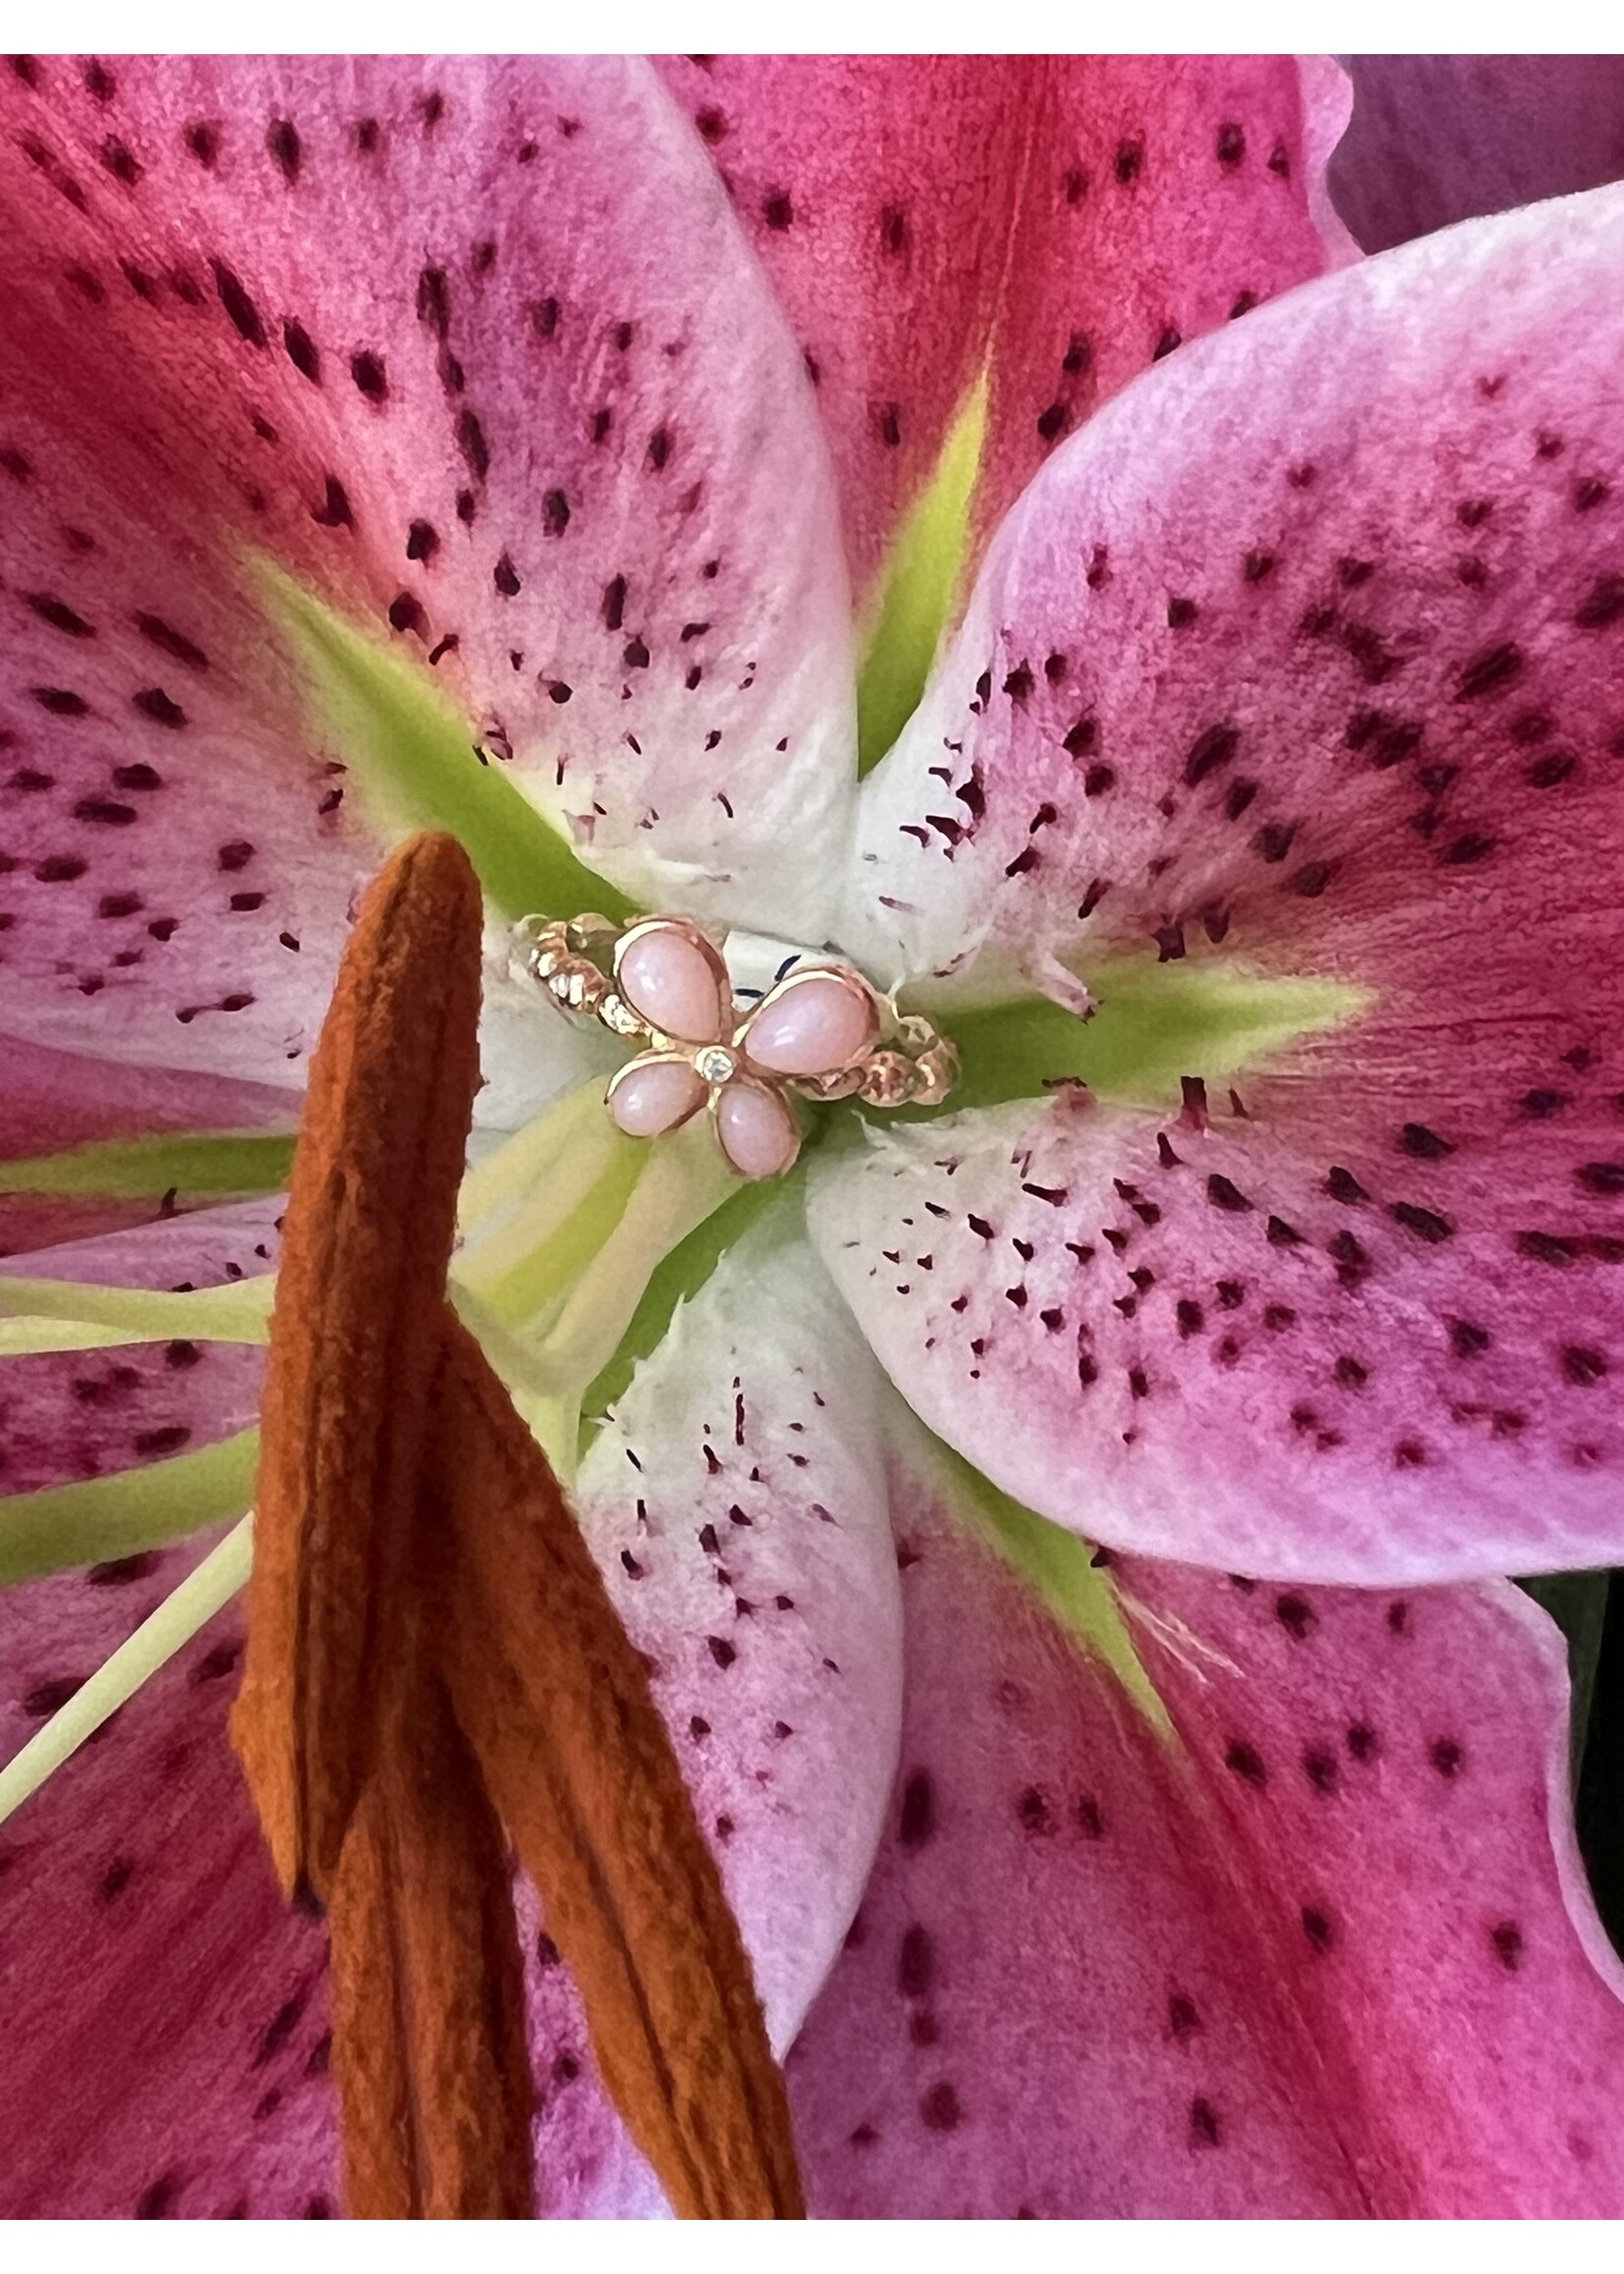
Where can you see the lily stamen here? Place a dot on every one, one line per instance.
(432, 1654)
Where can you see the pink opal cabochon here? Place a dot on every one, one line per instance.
(757, 1129)
(676, 981)
(652, 1095)
(813, 1023)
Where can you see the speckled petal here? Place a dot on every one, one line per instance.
(735, 1501)
(1437, 138)
(1183, 1343)
(501, 431)
(168, 2043)
(1323, 1951)
(1069, 218)
(1340, 697)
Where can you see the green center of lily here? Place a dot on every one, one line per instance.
(579, 1240)
(583, 1233)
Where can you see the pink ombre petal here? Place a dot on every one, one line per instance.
(1314, 701)
(174, 889)
(758, 1129)
(51, 1100)
(999, 2037)
(815, 1023)
(508, 428)
(1437, 138)
(670, 980)
(649, 1097)
(875, 191)
(1315, 697)
(1202, 197)
(1435, 1913)
(1312, 1955)
(167, 2040)
(1206, 1346)
(1063, 216)
(69, 1415)
(1341, 703)
(735, 1501)
(178, 857)
(586, 2165)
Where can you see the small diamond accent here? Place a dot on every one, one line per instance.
(715, 1066)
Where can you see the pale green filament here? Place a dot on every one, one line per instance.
(155, 1640)
(104, 1518)
(562, 1309)
(521, 1278)
(147, 1168)
(556, 1155)
(71, 1315)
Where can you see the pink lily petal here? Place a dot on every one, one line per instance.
(1342, 572)
(477, 349)
(1075, 215)
(741, 1475)
(587, 2166)
(1326, 1952)
(52, 1100)
(181, 2073)
(1183, 1343)
(177, 858)
(735, 1501)
(1437, 138)
(86, 1412)
(1338, 699)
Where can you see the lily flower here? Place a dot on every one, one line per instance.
(782, 501)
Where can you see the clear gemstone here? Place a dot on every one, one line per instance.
(715, 1066)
